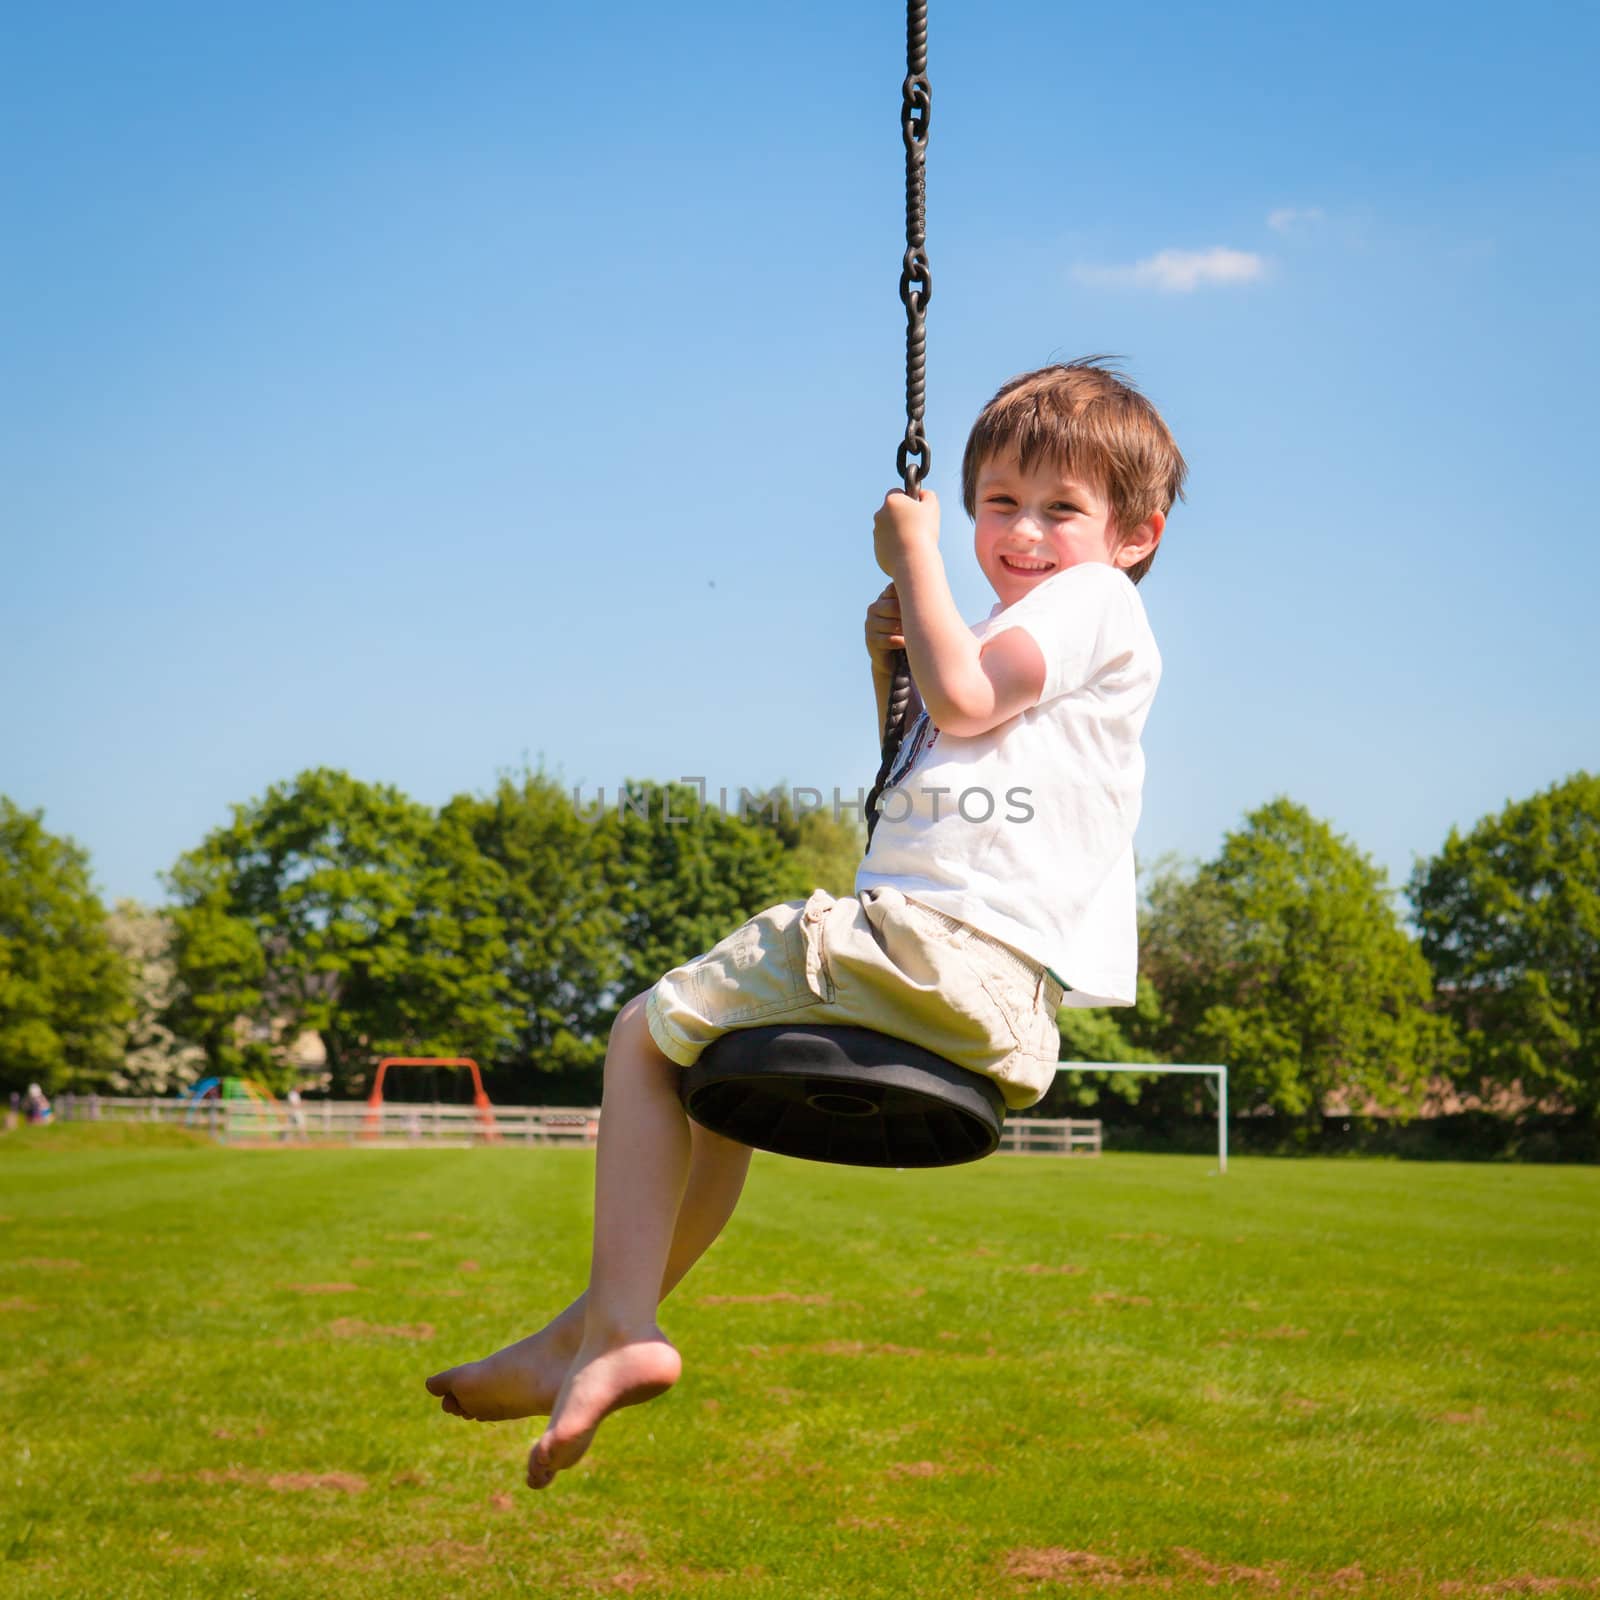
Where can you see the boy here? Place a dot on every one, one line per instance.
(999, 883)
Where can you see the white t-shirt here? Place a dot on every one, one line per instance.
(1026, 831)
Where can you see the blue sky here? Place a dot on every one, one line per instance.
(420, 390)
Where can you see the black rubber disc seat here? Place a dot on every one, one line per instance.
(847, 1095)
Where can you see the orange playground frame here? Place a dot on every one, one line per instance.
(480, 1099)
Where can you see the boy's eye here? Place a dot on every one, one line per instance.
(1062, 509)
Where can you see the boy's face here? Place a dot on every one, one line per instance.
(1032, 525)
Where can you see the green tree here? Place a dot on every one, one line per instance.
(825, 850)
(1510, 920)
(827, 853)
(683, 874)
(1285, 959)
(1103, 1034)
(219, 970)
(345, 908)
(563, 956)
(65, 992)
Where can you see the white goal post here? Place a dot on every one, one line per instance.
(1219, 1090)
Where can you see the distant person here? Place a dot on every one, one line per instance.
(297, 1116)
(36, 1107)
(966, 933)
(14, 1111)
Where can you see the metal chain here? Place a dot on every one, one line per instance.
(914, 456)
(916, 280)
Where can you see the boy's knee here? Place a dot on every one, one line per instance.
(631, 1015)
(632, 1038)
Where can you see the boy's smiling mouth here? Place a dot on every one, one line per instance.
(1025, 564)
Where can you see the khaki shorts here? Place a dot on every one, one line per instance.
(882, 962)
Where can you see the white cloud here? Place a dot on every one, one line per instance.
(1178, 271)
(1287, 218)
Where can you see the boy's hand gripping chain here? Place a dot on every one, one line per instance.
(916, 289)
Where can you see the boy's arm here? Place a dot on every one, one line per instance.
(967, 688)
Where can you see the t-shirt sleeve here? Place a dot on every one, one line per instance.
(1081, 621)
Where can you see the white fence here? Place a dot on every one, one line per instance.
(1050, 1136)
(347, 1121)
(353, 1122)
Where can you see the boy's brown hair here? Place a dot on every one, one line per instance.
(1090, 420)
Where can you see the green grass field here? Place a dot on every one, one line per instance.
(1026, 1377)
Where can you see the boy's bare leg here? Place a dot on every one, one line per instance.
(641, 1173)
(523, 1379)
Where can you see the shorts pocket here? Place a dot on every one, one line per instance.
(759, 970)
(1006, 990)
(993, 985)
(814, 937)
(1022, 995)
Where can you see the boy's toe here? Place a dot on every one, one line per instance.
(442, 1384)
(541, 1470)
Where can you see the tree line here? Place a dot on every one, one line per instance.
(512, 926)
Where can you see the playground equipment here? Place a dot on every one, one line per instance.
(372, 1123)
(258, 1103)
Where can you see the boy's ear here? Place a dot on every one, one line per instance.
(1142, 541)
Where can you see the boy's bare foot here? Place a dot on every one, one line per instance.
(522, 1380)
(603, 1378)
